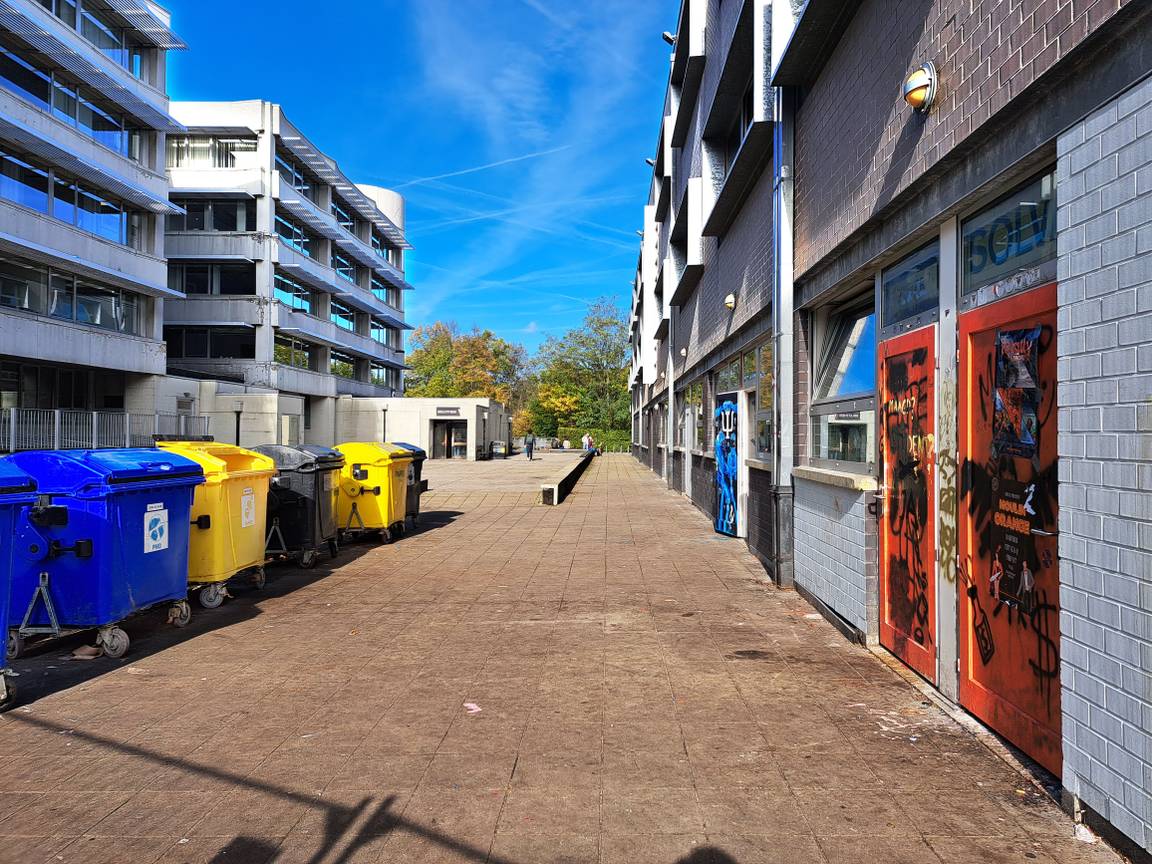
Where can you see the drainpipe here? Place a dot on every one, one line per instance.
(784, 313)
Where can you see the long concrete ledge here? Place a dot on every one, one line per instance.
(557, 487)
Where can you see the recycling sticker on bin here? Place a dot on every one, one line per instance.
(155, 528)
(247, 508)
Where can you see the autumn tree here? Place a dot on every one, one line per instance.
(446, 363)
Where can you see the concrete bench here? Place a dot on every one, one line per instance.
(557, 487)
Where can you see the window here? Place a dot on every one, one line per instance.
(728, 378)
(911, 288)
(224, 279)
(206, 151)
(23, 183)
(22, 286)
(386, 292)
(385, 376)
(25, 80)
(384, 334)
(343, 365)
(293, 174)
(344, 267)
(1013, 239)
(763, 427)
(293, 235)
(694, 402)
(293, 295)
(844, 395)
(734, 140)
(204, 343)
(343, 317)
(343, 215)
(214, 215)
(290, 351)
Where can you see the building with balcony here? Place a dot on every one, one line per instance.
(291, 276)
(83, 199)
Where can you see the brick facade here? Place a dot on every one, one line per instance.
(831, 538)
(987, 53)
(1104, 190)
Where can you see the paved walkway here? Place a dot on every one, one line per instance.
(603, 681)
(515, 481)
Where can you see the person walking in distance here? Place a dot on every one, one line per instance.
(529, 445)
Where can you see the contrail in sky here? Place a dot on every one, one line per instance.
(479, 168)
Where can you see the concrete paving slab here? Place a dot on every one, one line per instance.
(603, 681)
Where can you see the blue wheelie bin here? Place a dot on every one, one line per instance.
(17, 491)
(106, 537)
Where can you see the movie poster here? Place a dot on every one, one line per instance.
(1017, 393)
(1012, 580)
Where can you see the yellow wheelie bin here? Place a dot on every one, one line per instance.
(229, 516)
(373, 488)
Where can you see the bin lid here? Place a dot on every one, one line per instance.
(417, 452)
(63, 471)
(13, 481)
(307, 457)
(373, 453)
(221, 461)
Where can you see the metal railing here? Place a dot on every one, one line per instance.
(65, 429)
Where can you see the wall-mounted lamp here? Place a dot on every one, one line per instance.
(920, 87)
(730, 302)
(683, 352)
(651, 162)
(639, 232)
(668, 37)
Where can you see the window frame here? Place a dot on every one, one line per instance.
(822, 320)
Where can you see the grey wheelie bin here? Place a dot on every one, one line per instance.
(302, 501)
(416, 484)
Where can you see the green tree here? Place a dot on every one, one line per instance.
(445, 363)
(590, 364)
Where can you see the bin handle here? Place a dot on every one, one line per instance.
(203, 522)
(81, 549)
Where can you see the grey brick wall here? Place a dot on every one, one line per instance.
(1104, 193)
(831, 550)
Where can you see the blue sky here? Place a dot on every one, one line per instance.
(517, 130)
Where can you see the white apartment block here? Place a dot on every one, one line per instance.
(83, 196)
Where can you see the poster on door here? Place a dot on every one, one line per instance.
(1012, 580)
(1017, 393)
(726, 467)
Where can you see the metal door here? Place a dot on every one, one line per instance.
(1010, 584)
(727, 462)
(907, 376)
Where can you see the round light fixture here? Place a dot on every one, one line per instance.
(730, 301)
(683, 352)
(920, 87)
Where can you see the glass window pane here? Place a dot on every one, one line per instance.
(848, 359)
(60, 297)
(64, 201)
(129, 313)
(96, 306)
(847, 436)
(196, 344)
(224, 215)
(1015, 237)
(233, 344)
(237, 279)
(99, 215)
(197, 216)
(22, 286)
(750, 369)
(101, 126)
(197, 279)
(343, 365)
(23, 183)
(911, 287)
(64, 101)
(24, 80)
(249, 215)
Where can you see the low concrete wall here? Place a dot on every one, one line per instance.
(558, 487)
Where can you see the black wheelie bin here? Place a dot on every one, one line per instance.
(302, 501)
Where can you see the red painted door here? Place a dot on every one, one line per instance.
(1010, 583)
(907, 377)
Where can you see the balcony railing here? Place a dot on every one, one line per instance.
(63, 429)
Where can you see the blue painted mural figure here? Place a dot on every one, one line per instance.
(726, 456)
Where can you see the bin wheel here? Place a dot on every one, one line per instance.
(115, 642)
(259, 578)
(8, 699)
(385, 535)
(333, 548)
(212, 595)
(307, 559)
(180, 614)
(15, 647)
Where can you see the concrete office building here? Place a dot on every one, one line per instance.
(962, 320)
(83, 196)
(291, 275)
